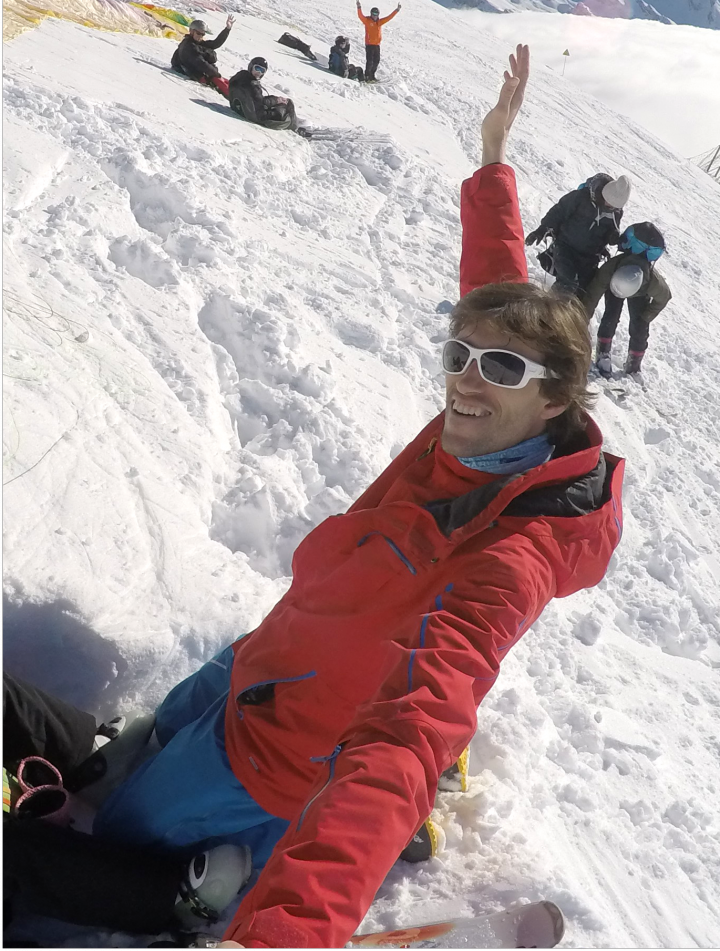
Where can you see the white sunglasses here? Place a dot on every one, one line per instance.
(496, 366)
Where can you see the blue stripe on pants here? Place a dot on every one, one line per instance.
(186, 798)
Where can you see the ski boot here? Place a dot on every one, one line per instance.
(633, 364)
(424, 844)
(455, 777)
(603, 363)
(120, 746)
(211, 882)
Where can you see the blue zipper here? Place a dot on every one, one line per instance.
(403, 558)
(321, 759)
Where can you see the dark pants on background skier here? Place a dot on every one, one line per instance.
(372, 60)
(639, 327)
(573, 271)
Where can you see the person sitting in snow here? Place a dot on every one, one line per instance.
(582, 224)
(250, 101)
(339, 62)
(373, 37)
(196, 58)
(629, 276)
(318, 739)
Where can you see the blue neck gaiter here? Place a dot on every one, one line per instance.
(525, 455)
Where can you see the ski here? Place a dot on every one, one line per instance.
(536, 925)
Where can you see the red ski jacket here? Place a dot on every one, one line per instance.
(362, 684)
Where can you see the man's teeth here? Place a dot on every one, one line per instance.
(468, 410)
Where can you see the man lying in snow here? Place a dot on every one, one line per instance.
(318, 738)
(196, 56)
(251, 102)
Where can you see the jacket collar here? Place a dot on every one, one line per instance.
(569, 484)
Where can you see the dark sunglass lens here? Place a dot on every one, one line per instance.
(504, 369)
(455, 357)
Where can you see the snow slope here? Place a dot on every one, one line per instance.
(215, 336)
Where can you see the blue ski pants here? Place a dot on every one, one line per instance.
(186, 798)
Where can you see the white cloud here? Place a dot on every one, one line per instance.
(667, 78)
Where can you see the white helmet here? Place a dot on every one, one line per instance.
(627, 280)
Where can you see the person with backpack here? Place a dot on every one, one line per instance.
(339, 63)
(582, 224)
(630, 276)
(250, 101)
(329, 725)
(373, 37)
(196, 58)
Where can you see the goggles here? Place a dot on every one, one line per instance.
(260, 70)
(499, 367)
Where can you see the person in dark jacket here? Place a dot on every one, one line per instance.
(339, 62)
(582, 224)
(333, 720)
(250, 101)
(50, 746)
(629, 276)
(196, 58)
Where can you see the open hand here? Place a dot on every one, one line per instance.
(497, 123)
(229, 22)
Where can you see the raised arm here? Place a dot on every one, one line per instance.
(220, 38)
(389, 17)
(492, 234)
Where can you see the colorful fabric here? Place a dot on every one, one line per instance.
(7, 794)
(112, 15)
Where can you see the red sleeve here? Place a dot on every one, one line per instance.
(493, 248)
(387, 19)
(380, 786)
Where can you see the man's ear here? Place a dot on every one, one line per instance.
(551, 410)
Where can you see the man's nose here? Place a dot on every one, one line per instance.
(471, 381)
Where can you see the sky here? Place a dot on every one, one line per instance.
(216, 336)
(666, 78)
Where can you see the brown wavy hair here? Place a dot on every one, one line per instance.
(555, 326)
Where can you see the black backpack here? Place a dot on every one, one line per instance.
(287, 39)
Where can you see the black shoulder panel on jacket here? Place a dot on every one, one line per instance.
(570, 499)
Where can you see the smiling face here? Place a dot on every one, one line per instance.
(480, 417)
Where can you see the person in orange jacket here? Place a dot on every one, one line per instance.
(318, 739)
(373, 38)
